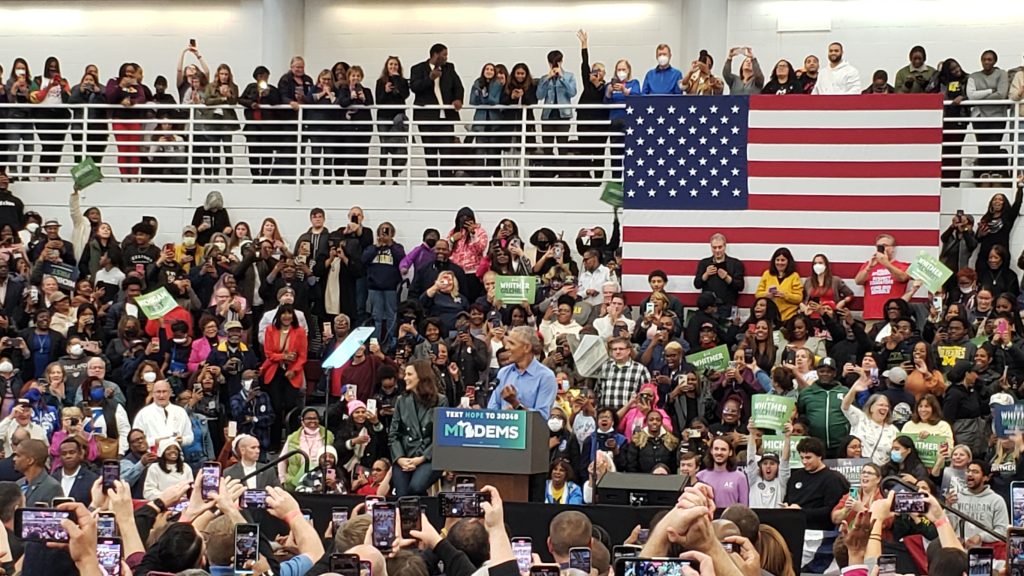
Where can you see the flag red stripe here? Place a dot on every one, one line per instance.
(843, 203)
(860, 102)
(687, 268)
(690, 299)
(780, 236)
(773, 169)
(844, 135)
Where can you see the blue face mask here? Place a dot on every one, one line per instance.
(896, 456)
(96, 394)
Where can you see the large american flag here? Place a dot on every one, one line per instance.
(818, 174)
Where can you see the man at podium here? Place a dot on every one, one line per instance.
(525, 384)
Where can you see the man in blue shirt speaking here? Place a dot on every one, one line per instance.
(525, 384)
(663, 79)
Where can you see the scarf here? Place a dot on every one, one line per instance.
(332, 289)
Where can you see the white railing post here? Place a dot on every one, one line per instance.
(408, 153)
(298, 157)
(191, 150)
(522, 155)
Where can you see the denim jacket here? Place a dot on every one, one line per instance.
(477, 97)
(557, 91)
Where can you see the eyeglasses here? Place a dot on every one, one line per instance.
(619, 349)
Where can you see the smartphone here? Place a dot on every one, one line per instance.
(649, 308)
(579, 559)
(354, 219)
(465, 483)
(979, 561)
(1017, 504)
(307, 514)
(730, 547)
(659, 566)
(372, 501)
(61, 500)
(169, 247)
(339, 515)
(887, 565)
(328, 331)
(365, 568)
(1002, 326)
(232, 428)
(383, 526)
(192, 42)
(109, 553)
(254, 499)
(642, 537)
(937, 303)
(910, 503)
(42, 524)
(371, 405)
(462, 504)
(211, 479)
(789, 356)
(1015, 546)
(748, 355)
(522, 549)
(106, 525)
(111, 473)
(247, 547)
(345, 564)
(960, 213)
(625, 551)
(880, 248)
(545, 570)
(409, 515)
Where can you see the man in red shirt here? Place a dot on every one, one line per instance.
(882, 277)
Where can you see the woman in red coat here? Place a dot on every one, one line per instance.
(284, 347)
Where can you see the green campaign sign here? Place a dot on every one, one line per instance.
(771, 412)
(773, 444)
(86, 173)
(157, 303)
(515, 289)
(929, 271)
(928, 448)
(716, 358)
(611, 194)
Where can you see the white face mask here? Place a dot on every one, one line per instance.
(189, 241)
(219, 246)
(819, 268)
(246, 385)
(180, 340)
(31, 227)
(555, 424)
(6, 366)
(76, 350)
(149, 377)
(663, 60)
(622, 75)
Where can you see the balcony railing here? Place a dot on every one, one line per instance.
(390, 145)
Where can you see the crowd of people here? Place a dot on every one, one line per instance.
(338, 127)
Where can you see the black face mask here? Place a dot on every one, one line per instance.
(543, 245)
(430, 242)
(597, 242)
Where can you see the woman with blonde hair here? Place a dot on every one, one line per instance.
(444, 301)
(72, 425)
(774, 552)
(220, 120)
(621, 85)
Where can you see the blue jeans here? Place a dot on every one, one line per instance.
(383, 307)
(361, 303)
(415, 483)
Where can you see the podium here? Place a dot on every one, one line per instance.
(502, 448)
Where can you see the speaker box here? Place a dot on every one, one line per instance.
(619, 488)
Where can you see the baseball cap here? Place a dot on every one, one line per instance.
(770, 456)
(232, 325)
(707, 326)
(827, 362)
(1002, 399)
(895, 375)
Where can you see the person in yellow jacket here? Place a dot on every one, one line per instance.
(189, 252)
(782, 284)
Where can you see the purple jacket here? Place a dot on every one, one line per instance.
(418, 257)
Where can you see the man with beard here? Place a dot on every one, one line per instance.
(839, 77)
(980, 502)
(807, 76)
(427, 274)
(821, 404)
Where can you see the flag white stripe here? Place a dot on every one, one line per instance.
(755, 256)
(843, 153)
(845, 118)
(844, 186)
(894, 221)
(680, 285)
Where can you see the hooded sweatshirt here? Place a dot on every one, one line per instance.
(822, 405)
(843, 79)
(987, 507)
(635, 418)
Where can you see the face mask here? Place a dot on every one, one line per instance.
(131, 332)
(896, 456)
(246, 385)
(430, 242)
(219, 246)
(622, 75)
(149, 377)
(543, 245)
(967, 290)
(180, 340)
(555, 424)
(188, 241)
(31, 227)
(819, 268)
(96, 394)
(6, 366)
(75, 350)
(663, 60)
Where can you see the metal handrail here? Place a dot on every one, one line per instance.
(949, 509)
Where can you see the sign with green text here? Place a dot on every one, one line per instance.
(515, 289)
(86, 173)
(716, 359)
(611, 194)
(771, 412)
(929, 271)
(773, 444)
(1008, 419)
